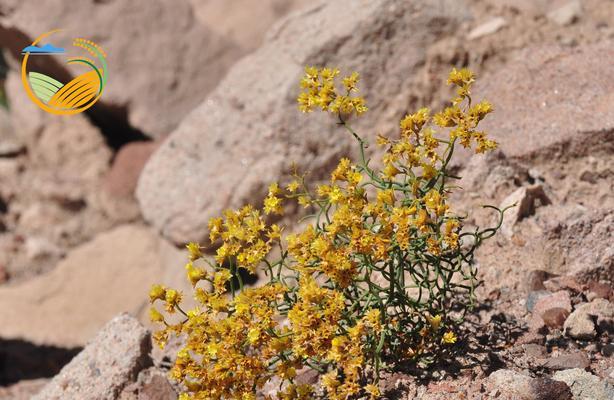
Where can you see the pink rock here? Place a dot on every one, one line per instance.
(129, 161)
(4, 276)
(600, 290)
(536, 279)
(566, 361)
(559, 299)
(554, 318)
(549, 96)
(536, 324)
(526, 199)
(151, 384)
(563, 282)
(581, 245)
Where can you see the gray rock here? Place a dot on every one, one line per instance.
(487, 28)
(491, 174)
(39, 247)
(72, 147)
(537, 324)
(107, 364)
(118, 185)
(603, 311)
(566, 14)
(511, 383)
(584, 385)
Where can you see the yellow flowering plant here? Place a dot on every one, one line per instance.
(382, 275)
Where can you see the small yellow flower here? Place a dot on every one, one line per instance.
(155, 316)
(311, 72)
(274, 233)
(273, 205)
(390, 171)
(195, 274)
(335, 195)
(372, 318)
(435, 321)
(480, 110)
(292, 186)
(351, 81)
(330, 380)
(213, 349)
(373, 391)
(414, 122)
(449, 338)
(172, 299)
(382, 140)
(253, 335)
(194, 251)
(157, 292)
(304, 201)
(215, 228)
(461, 77)
(328, 74)
(220, 278)
(274, 189)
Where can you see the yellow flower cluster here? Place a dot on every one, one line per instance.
(243, 235)
(465, 122)
(370, 283)
(319, 90)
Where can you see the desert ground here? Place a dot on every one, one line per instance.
(200, 115)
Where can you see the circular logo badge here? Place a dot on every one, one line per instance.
(72, 97)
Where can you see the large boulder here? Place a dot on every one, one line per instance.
(97, 280)
(162, 61)
(249, 130)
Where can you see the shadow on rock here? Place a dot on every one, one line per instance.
(21, 360)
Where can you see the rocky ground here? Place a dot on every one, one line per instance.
(93, 208)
